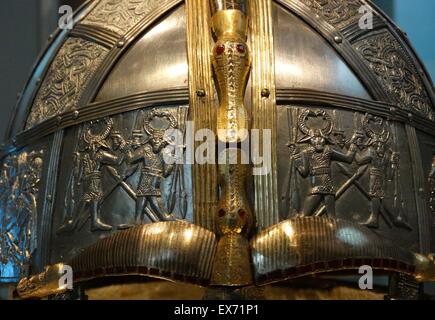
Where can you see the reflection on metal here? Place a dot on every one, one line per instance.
(66, 79)
(161, 50)
(263, 98)
(232, 63)
(425, 268)
(337, 13)
(176, 251)
(234, 223)
(202, 106)
(42, 285)
(234, 220)
(305, 246)
(108, 159)
(366, 162)
(20, 178)
(388, 61)
(368, 153)
(432, 189)
(120, 16)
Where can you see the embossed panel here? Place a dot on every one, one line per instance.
(349, 166)
(395, 71)
(121, 15)
(20, 179)
(66, 79)
(338, 13)
(114, 175)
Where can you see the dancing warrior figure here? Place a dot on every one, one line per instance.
(315, 162)
(154, 167)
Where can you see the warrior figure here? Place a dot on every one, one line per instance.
(151, 154)
(315, 162)
(381, 161)
(89, 164)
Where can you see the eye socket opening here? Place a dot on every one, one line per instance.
(242, 213)
(221, 213)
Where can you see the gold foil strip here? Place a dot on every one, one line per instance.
(264, 106)
(202, 106)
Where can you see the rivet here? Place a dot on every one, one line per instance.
(201, 93)
(338, 39)
(49, 198)
(265, 93)
(76, 114)
(120, 43)
(59, 120)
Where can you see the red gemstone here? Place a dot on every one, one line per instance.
(220, 49)
(241, 48)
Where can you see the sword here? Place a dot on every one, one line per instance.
(121, 182)
(389, 218)
(344, 187)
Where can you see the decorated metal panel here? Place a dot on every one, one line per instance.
(427, 147)
(115, 174)
(66, 80)
(350, 166)
(22, 186)
(395, 71)
(120, 16)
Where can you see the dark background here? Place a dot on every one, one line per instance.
(25, 26)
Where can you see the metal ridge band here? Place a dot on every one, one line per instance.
(177, 251)
(203, 105)
(306, 246)
(95, 111)
(13, 125)
(181, 95)
(387, 110)
(174, 251)
(345, 43)
(96, 34)
(264, 105)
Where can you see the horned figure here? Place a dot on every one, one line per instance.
(381, 161)
(316, 160)
(151, 154)
(88, 173)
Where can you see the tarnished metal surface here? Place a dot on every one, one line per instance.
(176, 251)
(351, 166)
(306, 246)
(160, 51)
(113, 176)
(352, 120)
(305, 60)
(20, 183)
(70, 72)
(120, 15)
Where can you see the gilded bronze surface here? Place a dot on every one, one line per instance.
(349, 114)
(231, 62)
(42, 285)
